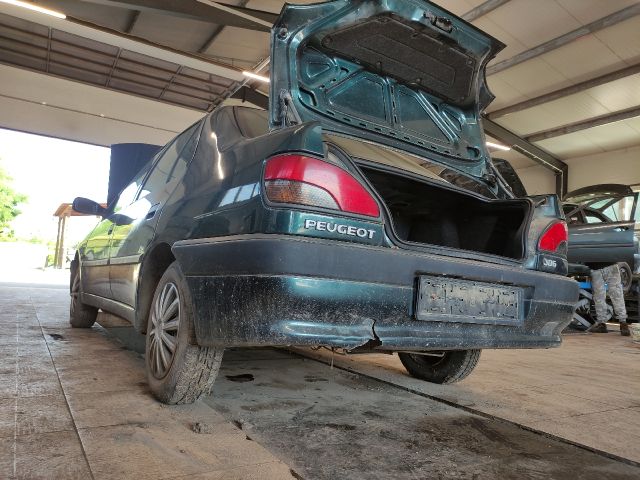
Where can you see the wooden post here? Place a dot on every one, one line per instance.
(61, 248)
(55, 253)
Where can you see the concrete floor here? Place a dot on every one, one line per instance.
(587, 391)
(74, 404)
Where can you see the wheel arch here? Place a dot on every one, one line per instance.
(154, 264)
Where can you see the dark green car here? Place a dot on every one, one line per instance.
(362, 211)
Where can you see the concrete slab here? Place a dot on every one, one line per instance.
(56, 455)
(331, 423)
(277, 415)
(74, 405)
(556, 391)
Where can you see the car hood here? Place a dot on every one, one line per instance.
(404, 73)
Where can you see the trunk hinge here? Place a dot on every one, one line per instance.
(288, 114)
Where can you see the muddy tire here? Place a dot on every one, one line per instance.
(441, 367)
(178, 370)
(80, 314)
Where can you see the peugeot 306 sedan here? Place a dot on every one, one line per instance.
(361, 211)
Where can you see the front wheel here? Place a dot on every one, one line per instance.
(178, 371)
(80, 314)
(440, 367)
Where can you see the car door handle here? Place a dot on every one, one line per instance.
(152, 211)
(621, 229)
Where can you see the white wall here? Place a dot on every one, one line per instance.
(537, 179)
(620, 166)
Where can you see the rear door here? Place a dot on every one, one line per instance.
(136, 224)
(94, 259)
(599, 240)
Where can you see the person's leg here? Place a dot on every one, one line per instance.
(600, 300)
(614, 282)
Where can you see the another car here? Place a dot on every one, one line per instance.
(604, 229)
(362, 212)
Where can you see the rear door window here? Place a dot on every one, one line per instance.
(172, 164)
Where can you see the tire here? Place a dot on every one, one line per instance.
(626, 275)
(441, 367)
(80, 314)
(187, 372)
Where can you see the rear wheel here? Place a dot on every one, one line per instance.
(177, 370)
(440, 367)
(80, 314)
(626, 276)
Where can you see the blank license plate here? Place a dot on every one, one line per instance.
(441, 299)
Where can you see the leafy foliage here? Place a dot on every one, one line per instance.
(9, 202)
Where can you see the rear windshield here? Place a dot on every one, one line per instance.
(372, 152)
(254, 123)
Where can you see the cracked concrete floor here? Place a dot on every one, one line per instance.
(73, 404)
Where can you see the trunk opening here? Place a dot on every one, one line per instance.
(428, 214)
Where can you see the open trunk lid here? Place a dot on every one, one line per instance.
(404, 73)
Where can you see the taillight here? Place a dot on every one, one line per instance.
(555, 239)
(304, 180)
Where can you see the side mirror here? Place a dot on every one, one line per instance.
(88, 207)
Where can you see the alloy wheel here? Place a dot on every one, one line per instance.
(75, 294)
(163, 335)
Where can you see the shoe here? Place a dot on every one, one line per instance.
(624, 329)
(597, 328)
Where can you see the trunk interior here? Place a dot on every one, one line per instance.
(425, 213)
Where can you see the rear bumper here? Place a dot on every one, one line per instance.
(280, 290)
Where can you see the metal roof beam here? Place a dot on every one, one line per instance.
(565, 92)
(523, 145)
(126, 42)
(585, 124)
(217, 31)
(535, 153)
(483, 9)
(197, 10)
(132, 21)
(608, 21)
(258, 68)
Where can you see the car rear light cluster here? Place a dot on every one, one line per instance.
(298, 179)
(555, 239)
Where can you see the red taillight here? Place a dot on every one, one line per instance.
(303, 180)
(555, 238)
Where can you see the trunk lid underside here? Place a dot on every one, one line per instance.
(404, 73)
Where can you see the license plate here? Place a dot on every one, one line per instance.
(451, 300)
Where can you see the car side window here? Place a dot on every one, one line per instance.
(173, 162)
(592, 218)
(128, 195)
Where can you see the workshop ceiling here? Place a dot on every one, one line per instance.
(567, 82)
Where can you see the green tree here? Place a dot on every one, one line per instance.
(9, 202)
